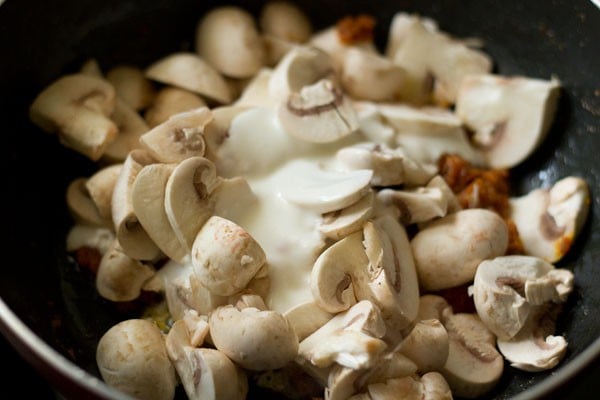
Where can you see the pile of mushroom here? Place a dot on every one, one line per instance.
(281, 190)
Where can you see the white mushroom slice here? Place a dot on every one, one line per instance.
(232, 198)
(276, 48)
(189, 71)
(337, 224)
(306, 318)
(285, 20)
(319, 113)
(325, 191)
(120, 277)
(435, 63)
(100, 187)
(432, 306)
(426, 133)
(506, 288)
(78, 108)
(372, 124)
(369, 76)
(302, 66)
(225, 257)
(392, 283)
(350, 339)
(256, 93)
(131, 235)
(391, 166)
(390, 365)
(131, 127)
(341, 382)
(80, 236)
(131, 85)
(474, 366)
(452, 203)
(426, 345)
(227, 37)
(148, 200)
(254, 339)
(132, 357)
(535, 348)
(217, 131)
(206, 374)
(415, 205)
(509, 115)
(170, 101)
(179, 137)
(400, 27)
(80, 204)
(549, 220)
(187, 197)
(449, 249)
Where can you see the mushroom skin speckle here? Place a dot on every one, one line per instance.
(132, 357)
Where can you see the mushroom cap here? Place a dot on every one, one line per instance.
(254, 339)
(131, 85)
(427, 345)
(189, 71)
(80, 204)
(225, 257)
(448, 250)
(285, 20)
(131, 126)
(306, 318)
(132, 357)
(228, 39)
(78, 108)
(340, 223)
(100, 187)
(510, 116)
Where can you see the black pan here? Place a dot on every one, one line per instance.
(49, 310)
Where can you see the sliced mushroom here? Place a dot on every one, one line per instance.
(148, 201)
(391, 166)
(205, 373)
(170, 101)
(328, 40)
(426, 345)
(415, 205)
(510, 116)
(254, 339)
(302, 66)
(549, 220)
(474, 366)
(432, 386)
(120, 277)
(506, 288)
(535, 348)
(425, 133)
(350, 339)
(225, 257)
(322, 190)
(232, 198)
(131, 235)
(276, 48)
(319, 113)
(369, 76)
(448, 250)
(131, 85)
(187, 197)
(81, 206)
(100, 187)
(132, 357)
(435, 62)
(372, 124)
(189, 71)
(179, 137)
(228, 39)
(78, 108)
(286, 21)
(131, 127)
(306, 318)
(340, 223)
(391, 365)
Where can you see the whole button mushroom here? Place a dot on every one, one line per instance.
(228, 39)
(255, 339)
(448, 250)
(132, 357)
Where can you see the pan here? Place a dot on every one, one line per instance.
(49, 310)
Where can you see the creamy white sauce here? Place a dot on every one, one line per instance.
(275, 165)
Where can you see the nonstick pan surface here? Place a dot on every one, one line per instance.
(49, 309)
